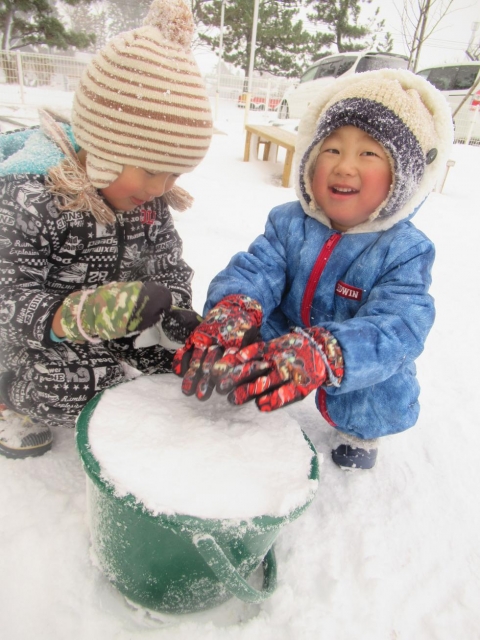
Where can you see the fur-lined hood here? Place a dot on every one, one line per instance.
(308, 128)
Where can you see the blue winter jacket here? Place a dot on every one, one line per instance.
(371, 294)
(367, 286)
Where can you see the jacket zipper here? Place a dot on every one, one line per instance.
(120, 233)
(318, 267)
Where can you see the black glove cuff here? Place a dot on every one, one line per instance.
(178, 324)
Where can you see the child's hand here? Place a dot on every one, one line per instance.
(113, 310)
(171, 331)
(232, 324)
(177, 325)
(281, 371)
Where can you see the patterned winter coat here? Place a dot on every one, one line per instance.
(46, 254)
(368, 287)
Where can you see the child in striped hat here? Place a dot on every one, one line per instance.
(90, 260)
(337, 286)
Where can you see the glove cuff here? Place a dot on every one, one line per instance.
(71, 314)
(251, 306)
(330, 351)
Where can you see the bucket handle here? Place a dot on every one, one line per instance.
(221, 566)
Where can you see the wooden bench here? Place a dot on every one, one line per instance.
(272, 138)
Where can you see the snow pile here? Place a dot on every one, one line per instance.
(392, 554)
(180, 456)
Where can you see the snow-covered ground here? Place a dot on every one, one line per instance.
(385, 555)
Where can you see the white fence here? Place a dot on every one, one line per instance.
(37, 70)
(21, 71)
(30, 80)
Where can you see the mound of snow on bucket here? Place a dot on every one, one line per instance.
(179, 456)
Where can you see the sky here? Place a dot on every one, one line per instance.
(449, 40)
(447, 43)
(390, 554)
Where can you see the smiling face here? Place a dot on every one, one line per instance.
(352, 177)
(135, 186)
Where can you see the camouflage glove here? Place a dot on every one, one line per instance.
(233, 323)
(281, 371)
(113, 310)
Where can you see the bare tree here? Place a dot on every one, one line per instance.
(473, 47)
(420, 18)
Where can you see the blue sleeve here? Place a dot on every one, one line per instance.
(259, 273)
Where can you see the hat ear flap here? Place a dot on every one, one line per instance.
(102, 172)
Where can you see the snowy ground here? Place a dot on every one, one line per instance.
(385, 555)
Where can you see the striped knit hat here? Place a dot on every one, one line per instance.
(142, 102)
(405, 114)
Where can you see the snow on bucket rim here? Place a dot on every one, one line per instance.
(178, 456)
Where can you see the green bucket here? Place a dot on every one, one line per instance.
(177, 563)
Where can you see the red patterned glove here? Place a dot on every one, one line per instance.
(281, 371)
(233, 323)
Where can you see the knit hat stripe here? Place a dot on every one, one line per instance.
(168, 139)
(131, 113)
(152, 152)
(117, 94)
(109, 80)
(183, 138)
(111, 66)
(179, 143)
(156, 165)
(154, 84)
(197, 139)
(124, 155)
(143, 110)
(170, 57)
(140, 38)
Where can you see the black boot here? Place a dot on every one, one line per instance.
(351, 457)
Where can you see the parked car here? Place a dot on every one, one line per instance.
(455, 82)
(258, 102)
(297, 98)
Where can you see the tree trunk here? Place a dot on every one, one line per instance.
(9, 60)
(423, 26)
(7, 31)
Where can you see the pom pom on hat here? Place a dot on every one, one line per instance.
(142, 101)
(172, 18)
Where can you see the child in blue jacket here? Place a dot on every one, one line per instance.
(337, 286)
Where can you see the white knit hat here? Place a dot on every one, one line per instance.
(142, 102)
(404, 113)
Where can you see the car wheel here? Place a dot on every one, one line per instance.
(283, 110)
